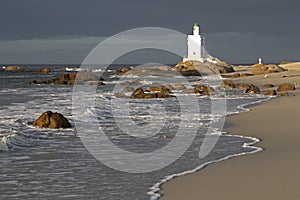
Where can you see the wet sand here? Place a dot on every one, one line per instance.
(273, 173)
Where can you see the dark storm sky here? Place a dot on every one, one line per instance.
(64, 31)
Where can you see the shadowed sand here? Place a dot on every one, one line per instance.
(270, 174)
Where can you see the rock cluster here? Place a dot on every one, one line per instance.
(69, 79)
(159, 92)
(52, 120)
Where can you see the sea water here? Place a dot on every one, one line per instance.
(38, 163)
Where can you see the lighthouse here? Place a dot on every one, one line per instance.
(195, 45)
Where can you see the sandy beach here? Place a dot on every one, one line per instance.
(273, 173)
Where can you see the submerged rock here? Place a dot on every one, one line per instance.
(52, 120)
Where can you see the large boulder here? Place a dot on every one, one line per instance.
(52, 120)
(286, 87)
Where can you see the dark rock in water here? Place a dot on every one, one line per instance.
(252, 90)
(270, 93)
(286, 87)
(52, 120)
(268, 86)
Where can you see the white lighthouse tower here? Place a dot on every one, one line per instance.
(195, 45)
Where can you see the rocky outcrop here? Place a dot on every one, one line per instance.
(267, 69)
(269, 93)
(286, 87)
(197, 68)
(69, 79)
(52, 120)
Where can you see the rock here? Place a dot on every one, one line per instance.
(286, 87)
(14, 68)
(228, 84)
(267, 69)
(235, 75)
(268, 86)
(202, 90)
(242, 86)
(245, 74)
(45, 70)
(94, 83)
(160, 88)
(140, 93)
(252, 90)
(270, 93)
(69, 79)
(126, 69)
(52, 120)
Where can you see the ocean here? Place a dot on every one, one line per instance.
(38, 163)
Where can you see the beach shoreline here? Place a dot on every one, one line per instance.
(269, 174)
